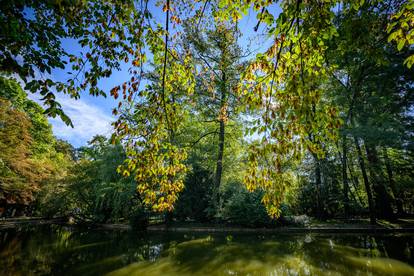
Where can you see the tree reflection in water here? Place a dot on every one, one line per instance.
(72, 251)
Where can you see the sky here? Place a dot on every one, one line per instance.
(93, 115)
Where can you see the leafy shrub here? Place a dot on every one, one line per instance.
(194, 201)
(243, 207)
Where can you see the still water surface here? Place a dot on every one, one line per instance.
(53, 250)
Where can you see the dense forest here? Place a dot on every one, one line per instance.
(207, 128)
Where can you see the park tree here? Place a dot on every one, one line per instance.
(371, 79)
(94, 190)
(18, 180)
(31, 157)
(219, 59)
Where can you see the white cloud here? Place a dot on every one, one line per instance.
(88, 121)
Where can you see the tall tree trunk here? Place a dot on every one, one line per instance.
(219, 162)
(345, 177)
(382, 197)
(371, 205)
(391, 181)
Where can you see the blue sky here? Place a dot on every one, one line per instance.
(93, 115)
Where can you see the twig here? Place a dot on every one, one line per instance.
(202, 13)
(260, 20)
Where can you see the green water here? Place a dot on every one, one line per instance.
(72, 251)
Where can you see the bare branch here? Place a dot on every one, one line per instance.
(165, 62)
(202, 13)
(201, 137)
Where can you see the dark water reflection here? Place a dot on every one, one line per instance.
(72, 251)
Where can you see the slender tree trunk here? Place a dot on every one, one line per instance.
(382, 197)
(219, 164)
(220, 153)
(366, 183)
(391, 181)
(355, 183)
(345, 177)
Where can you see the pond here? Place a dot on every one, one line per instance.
(56, 250)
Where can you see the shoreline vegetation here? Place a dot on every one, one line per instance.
(344, 226)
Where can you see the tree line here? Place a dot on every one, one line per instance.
(320, 123)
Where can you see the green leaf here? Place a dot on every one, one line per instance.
(400, 44)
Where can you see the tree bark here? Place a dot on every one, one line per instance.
(219, 163)
(371, 205)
